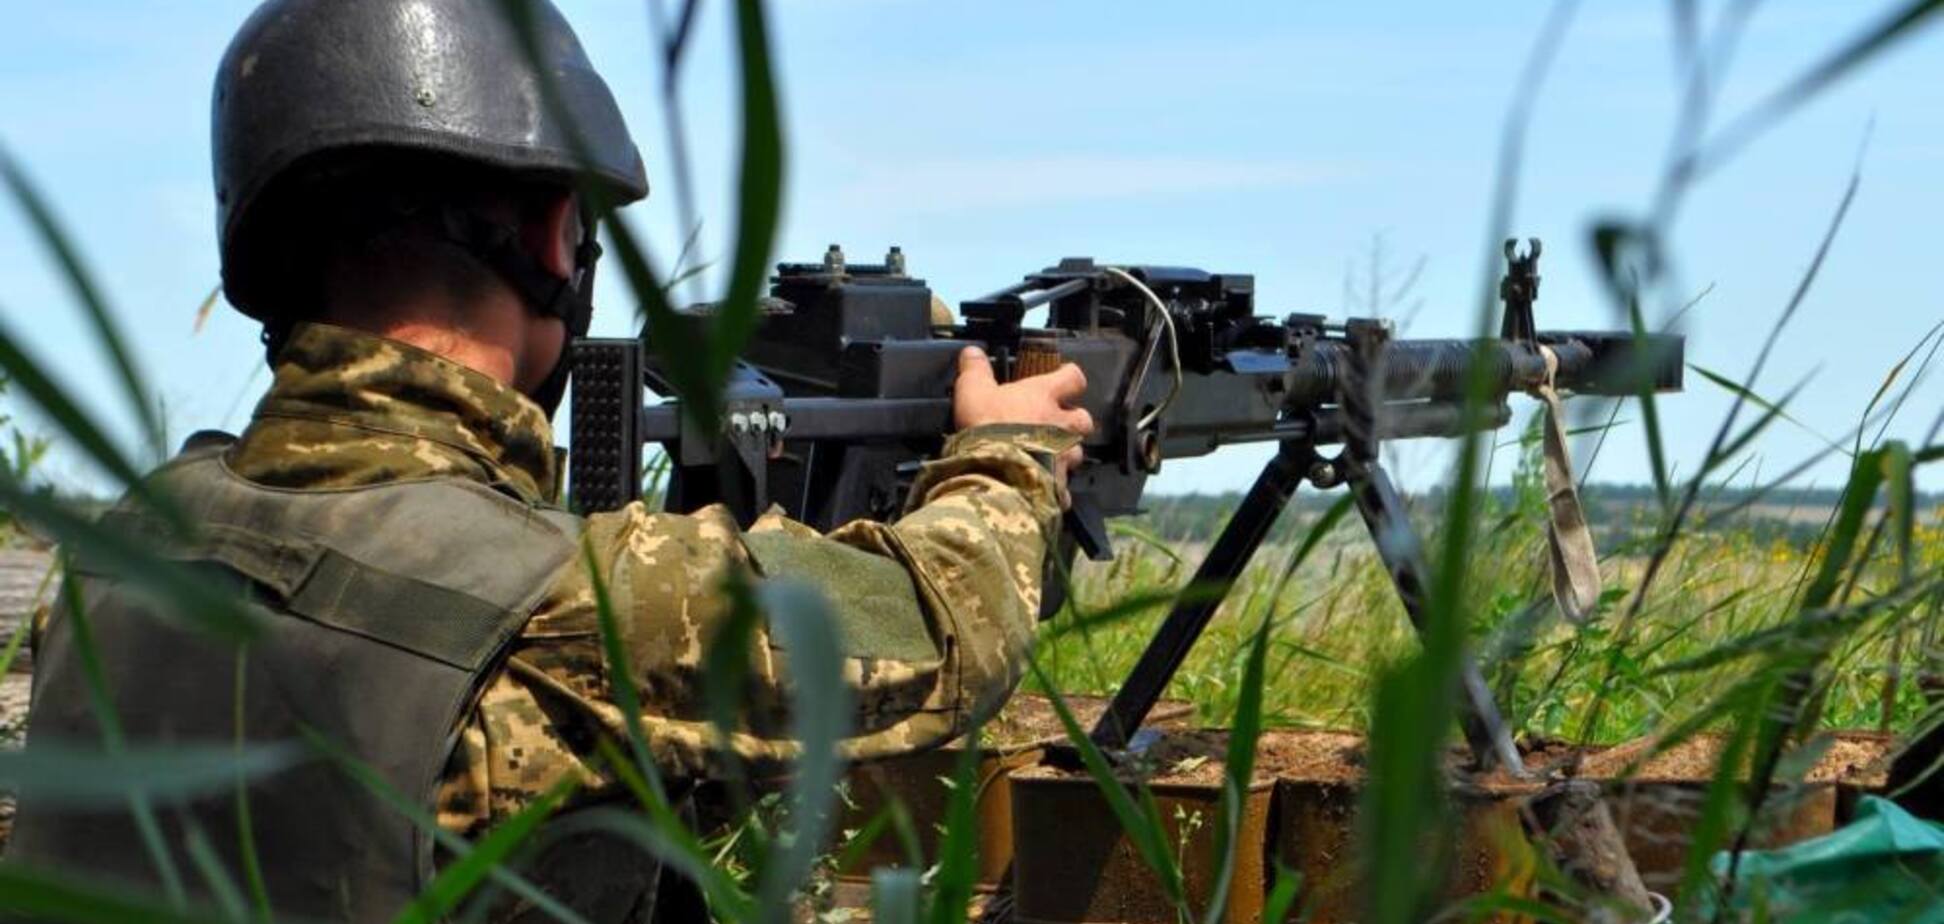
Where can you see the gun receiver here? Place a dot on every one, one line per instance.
(845, 388)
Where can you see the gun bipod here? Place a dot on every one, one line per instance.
(1219, 569)
(1397, 545)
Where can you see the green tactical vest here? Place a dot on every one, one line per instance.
(384, 609)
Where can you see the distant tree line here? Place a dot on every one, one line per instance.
(1617, 510)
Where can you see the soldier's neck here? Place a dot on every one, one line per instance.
(479, 354)
(486, 336)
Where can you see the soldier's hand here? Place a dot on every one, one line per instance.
(1050, 398)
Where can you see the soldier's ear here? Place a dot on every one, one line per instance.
(553, 234)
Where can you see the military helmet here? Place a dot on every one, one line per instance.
(306, 79)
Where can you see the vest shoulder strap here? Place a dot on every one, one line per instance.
(444, 568)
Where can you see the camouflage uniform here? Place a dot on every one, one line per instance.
(349, 409)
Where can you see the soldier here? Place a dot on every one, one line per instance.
(412, 227)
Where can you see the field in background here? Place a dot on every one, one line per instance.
(1338, 621)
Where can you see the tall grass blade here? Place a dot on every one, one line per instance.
(58, 773)
(1282, 896)
(1649, 404)
(679, 341)
(1613, 415)
(1139, 820)
(1671, 530)
(673, 846)
(687, 267)
(196, 602)
(1318, 531)
(895, 893)
(1709, 832)
(246, 845)
(725, 659)
(206, 308)
(958, 850)
(14, 643)
(1903, 22)
(1809, 626)
(1770, 414)
(627, 697)
(674, 45)
(858, 843)
(1777, 408)
(661, 815)
(1412, 712)
(457, 880)
(1239, 772)
(820, 718)
(662, 833)
(1129, 606)
(1790, 704)
(1936, 342)
(75, 273)
(75, 423)
(1900, 488)
(1146, 538)
(699, 352)
(221, 885)
(34, 895)
(421, 818)
(759, 191)
(1889, 381)
(906, 831)
(101, 701)
(1767, 490)
(1859, 496)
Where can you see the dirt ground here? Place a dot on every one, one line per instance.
(21, 575)
(1195, 757)
(1028, 720)
(1856, 758)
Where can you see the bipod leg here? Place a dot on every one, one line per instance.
(1225, 561)
(1397, 543)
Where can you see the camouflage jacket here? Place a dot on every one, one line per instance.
(350, 409)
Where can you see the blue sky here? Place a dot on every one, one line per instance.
(991, 139)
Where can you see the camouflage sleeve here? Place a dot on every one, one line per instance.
(936, 611)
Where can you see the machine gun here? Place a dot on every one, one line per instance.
(845, 389)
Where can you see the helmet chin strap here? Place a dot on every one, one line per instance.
(571, 299)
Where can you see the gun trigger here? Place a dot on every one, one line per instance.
(1088, 527)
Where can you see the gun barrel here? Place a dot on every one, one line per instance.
(1425, 383)
(1601, 363)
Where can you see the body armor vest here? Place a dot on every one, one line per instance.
(382, 609)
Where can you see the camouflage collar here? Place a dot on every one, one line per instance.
(346, 378)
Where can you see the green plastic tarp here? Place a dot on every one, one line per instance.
(1886, 865)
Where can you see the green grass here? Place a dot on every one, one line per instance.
(1337, 622)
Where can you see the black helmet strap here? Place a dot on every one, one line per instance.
(571, 299)
(498, 246)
